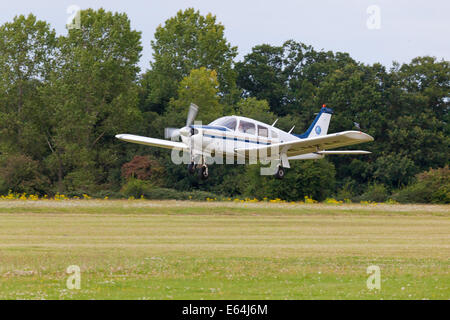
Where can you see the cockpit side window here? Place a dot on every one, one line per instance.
(247, 127)
(263, 131)
(229, 123)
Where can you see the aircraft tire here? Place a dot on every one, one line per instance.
(280, 173)
(203, 173)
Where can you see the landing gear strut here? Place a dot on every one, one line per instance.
(280, 173)
(191, 168)
(203, 172)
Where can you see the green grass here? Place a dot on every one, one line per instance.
(191, 250)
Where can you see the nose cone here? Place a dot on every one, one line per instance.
(186, 131)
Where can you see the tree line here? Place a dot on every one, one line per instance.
(64, 98)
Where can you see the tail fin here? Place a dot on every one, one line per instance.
(320, 125)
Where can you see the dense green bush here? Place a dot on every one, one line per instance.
(171, 194)
(432, 186)
(139, 188)
(21, 173)
(375, 192)
(314, 179)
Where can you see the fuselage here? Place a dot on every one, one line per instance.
(224, 135)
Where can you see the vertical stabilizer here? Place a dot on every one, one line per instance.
(320, 125)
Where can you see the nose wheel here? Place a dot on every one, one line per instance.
(280, 173)
(203, 173)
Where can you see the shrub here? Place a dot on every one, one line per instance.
(432, 186)
(137, 188)
(376, 193)
(315, 179)
(172, 194)
(21, 173)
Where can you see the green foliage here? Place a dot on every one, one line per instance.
(288, 76)
(90, 104)
(200, 87)
(137, 188)
(255, 109)
(22, 174)
(188, 41)
(171, 194)
(314, 179)
(432, 186)
(375, 192)
(27, 48)
(394, 170)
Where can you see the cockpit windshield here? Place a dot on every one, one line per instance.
(227, 122)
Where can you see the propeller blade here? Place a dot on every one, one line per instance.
(170, 133)
(193, 109)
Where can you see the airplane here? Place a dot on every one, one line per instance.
(235, 136)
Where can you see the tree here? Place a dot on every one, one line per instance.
(255, 109)
(92, 97)
(185, 42)
(200, 87)
(288, 76)
(27, 49)
(260, 75)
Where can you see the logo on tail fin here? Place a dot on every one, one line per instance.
(318, 130)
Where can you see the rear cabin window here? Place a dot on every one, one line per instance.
(263, 132)
(246, 127)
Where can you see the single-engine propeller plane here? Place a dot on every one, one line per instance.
(244, 138)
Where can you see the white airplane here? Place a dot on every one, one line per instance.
(248, 139)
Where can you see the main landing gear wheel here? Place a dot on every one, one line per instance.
(191, 168)
(280, 173)
(203, 172)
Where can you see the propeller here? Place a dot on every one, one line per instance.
(193, 109)
(174, 133)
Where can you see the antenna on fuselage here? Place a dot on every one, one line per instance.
(275, 123)
(290, 131)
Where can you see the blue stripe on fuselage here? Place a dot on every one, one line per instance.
(235, 139)
(210, 128)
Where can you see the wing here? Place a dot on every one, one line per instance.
(152, 142)
(311, 145)
(331, 152)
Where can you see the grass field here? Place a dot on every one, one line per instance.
(184, 250)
